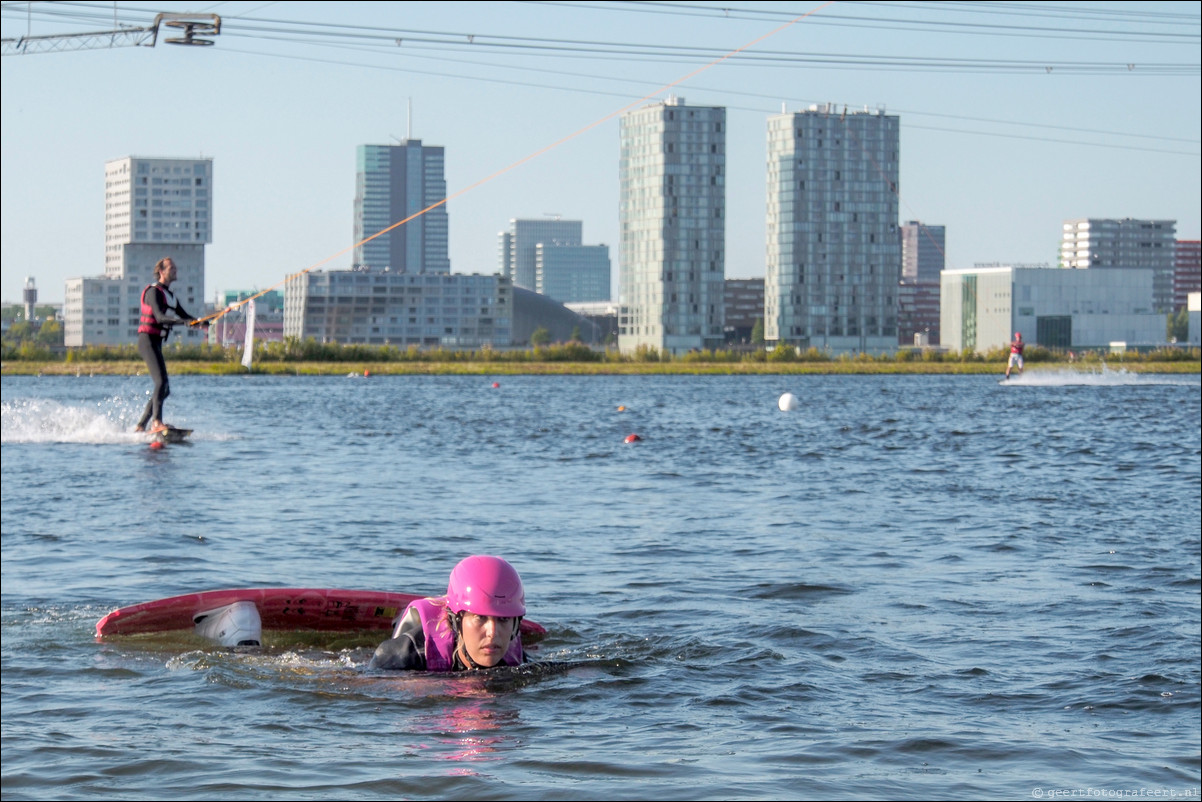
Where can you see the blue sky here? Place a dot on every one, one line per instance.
(1014, 116)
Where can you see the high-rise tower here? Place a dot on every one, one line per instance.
(834, 254)
(153, 207)
(393, 182)
(673, 226)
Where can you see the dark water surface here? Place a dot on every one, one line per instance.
(911, 587)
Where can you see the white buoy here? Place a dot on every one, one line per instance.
(788, 402)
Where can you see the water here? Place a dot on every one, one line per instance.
(911, 587)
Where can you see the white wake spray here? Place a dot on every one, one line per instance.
(1102, 377)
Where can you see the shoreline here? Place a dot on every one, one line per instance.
(851, 367)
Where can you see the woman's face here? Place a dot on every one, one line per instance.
(485, 638)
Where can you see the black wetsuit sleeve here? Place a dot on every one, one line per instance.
(161, 310)
(406, 651)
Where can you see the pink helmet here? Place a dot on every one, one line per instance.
(486, 586)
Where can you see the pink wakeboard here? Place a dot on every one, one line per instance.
(320, 609)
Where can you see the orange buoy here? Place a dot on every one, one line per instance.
(621, 408)
(633, 438)
(366, 373)
(156, 444)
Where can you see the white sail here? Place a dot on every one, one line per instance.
(249, 350)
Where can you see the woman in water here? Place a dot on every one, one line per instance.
(475, 626)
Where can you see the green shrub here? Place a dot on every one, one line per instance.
(783, 352)
(1037, 353)
(813, 354)
(649, 353)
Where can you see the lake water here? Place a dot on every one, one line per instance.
(912, 587)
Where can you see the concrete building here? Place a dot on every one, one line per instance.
(1127, 244)
(572, 273)
(29, 297)
(154, 207)
(402, 309)
(744, 306)
(1063, 309)
(1187, 271)
(918, 312)
(392, 183)
(1194, 305)
(517, 246)
(834, 252)
(673, 226)
(923, 253)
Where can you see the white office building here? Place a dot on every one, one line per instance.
(673, 227)
(1127, 244)
(981, 308)
(392, 183)
(154, 207)
(834, 252)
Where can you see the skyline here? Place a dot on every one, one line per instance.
(996, 153)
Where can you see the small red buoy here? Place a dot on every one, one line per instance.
(495, 385)
(156, 444)
(633, 438)
(366, 373)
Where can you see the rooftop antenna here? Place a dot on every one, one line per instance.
(408, 123)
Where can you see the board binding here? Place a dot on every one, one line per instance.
(171, 435)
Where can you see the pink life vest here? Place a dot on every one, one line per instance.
(147, 322)
(440, 641)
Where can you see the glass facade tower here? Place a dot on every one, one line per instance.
(673, 227)
(392, 183)
(834, 251)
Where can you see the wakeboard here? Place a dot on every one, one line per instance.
(286, 609)
(171, 435)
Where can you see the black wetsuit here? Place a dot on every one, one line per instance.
(150, 346)
(407, 650)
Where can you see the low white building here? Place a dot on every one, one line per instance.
(981, 308)
(382, 307)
